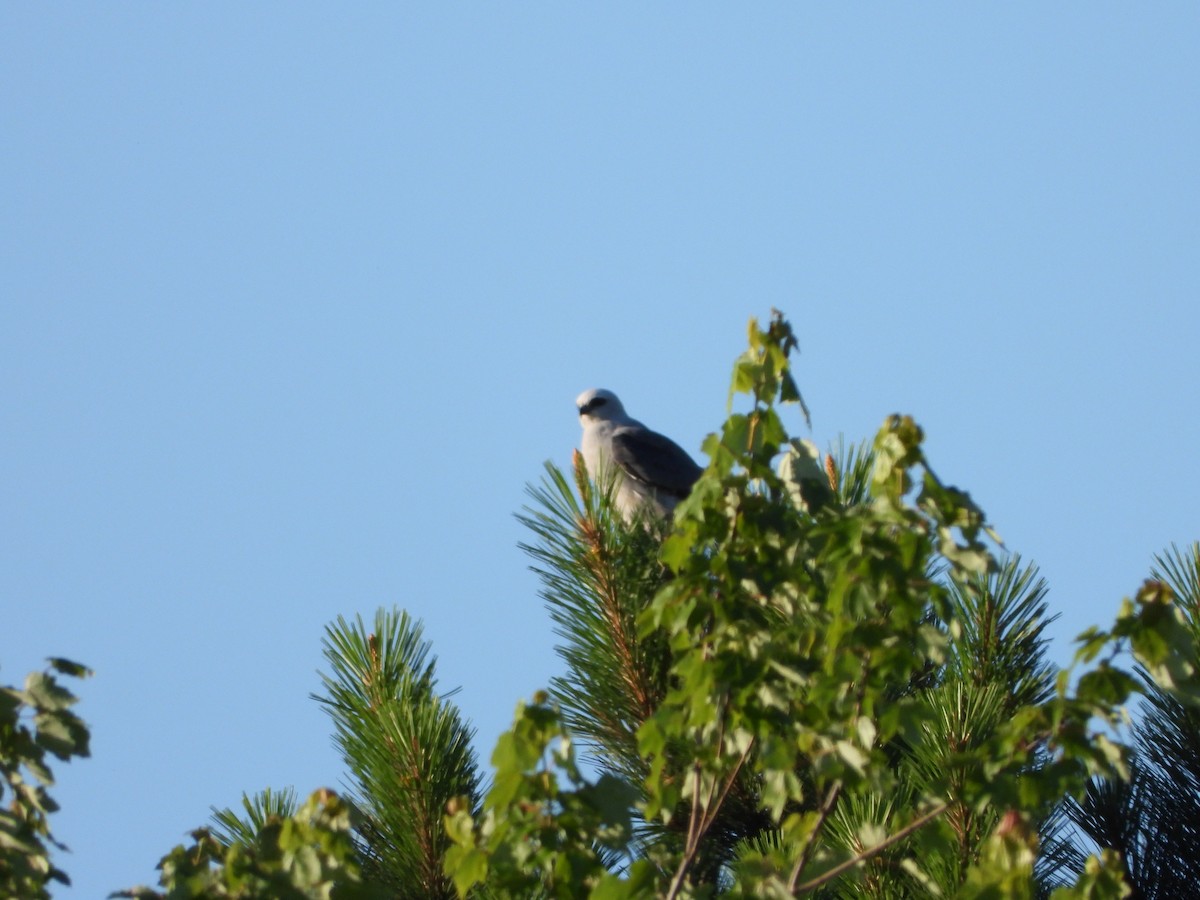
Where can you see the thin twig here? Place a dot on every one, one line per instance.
(691, 844)
(834, 791)
(694, 827)
(729, 782)
(702, 820)
(831, 799)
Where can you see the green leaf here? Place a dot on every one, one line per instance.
(468, 867)
(746, 372)
(47, 694)
(1106, 686)
(67, 667)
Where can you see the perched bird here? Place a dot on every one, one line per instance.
(649, 469)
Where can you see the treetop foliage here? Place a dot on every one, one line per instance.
(36, 723)
(823, 676)
(819, 684)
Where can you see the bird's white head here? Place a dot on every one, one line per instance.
(599, 405)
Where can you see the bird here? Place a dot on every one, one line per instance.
(650, 471)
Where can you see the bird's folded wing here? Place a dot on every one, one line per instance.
(654, 460)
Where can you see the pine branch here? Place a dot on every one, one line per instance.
(231, 827)
(407, 749)
(1003, 615)
(851, 466)
(1152, 819)
(597, 575)
(857, 860)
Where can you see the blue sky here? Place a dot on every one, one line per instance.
(296, 298)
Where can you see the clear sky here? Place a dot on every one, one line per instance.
(296, 298)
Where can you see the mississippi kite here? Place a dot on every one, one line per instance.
(649, 469)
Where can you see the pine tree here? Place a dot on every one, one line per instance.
(1152, 817)
(819, 678)
(822, 681)
(406, 746)
(599, 575)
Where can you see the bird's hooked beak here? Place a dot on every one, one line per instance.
(591, 405)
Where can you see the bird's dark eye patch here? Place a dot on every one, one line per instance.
(594, 403)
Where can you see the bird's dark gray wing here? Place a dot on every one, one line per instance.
(654, 460)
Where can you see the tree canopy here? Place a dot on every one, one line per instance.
(823, 676)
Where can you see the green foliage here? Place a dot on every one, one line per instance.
(994, 667)
(308, 855)
(833, 686)
(36, 722)
(231, 828)
(409, 754)
(800, 642)
(1150, 819)
(597, 576)
(544, 831)
(406, 747)
(1100, 878)
(818, 678)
